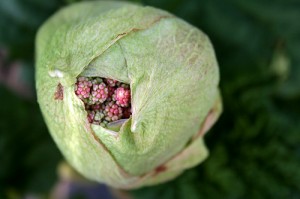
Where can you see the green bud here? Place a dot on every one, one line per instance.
(173, 76)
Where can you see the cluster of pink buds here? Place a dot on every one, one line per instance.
(83, 87)
(99, 93)
(122, 96)
(106, 100)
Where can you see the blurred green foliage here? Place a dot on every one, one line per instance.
(255, 150)
(28, 156)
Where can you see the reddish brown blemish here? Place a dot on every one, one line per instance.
(160, 169)
(59, 93)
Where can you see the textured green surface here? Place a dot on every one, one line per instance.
(173, 74)
(254, 148)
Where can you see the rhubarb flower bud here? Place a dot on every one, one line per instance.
(127, 91)
(122, 96)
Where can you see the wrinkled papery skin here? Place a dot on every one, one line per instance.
(173, 74)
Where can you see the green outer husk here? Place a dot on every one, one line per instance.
(171, 68)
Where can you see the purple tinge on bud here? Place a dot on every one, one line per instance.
(95, 107)
(126, 112)
(91, 115)
(105, 100)
(111, 91)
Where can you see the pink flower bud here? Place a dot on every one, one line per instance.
(122, 96)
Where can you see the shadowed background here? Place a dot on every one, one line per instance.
(255, 145)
